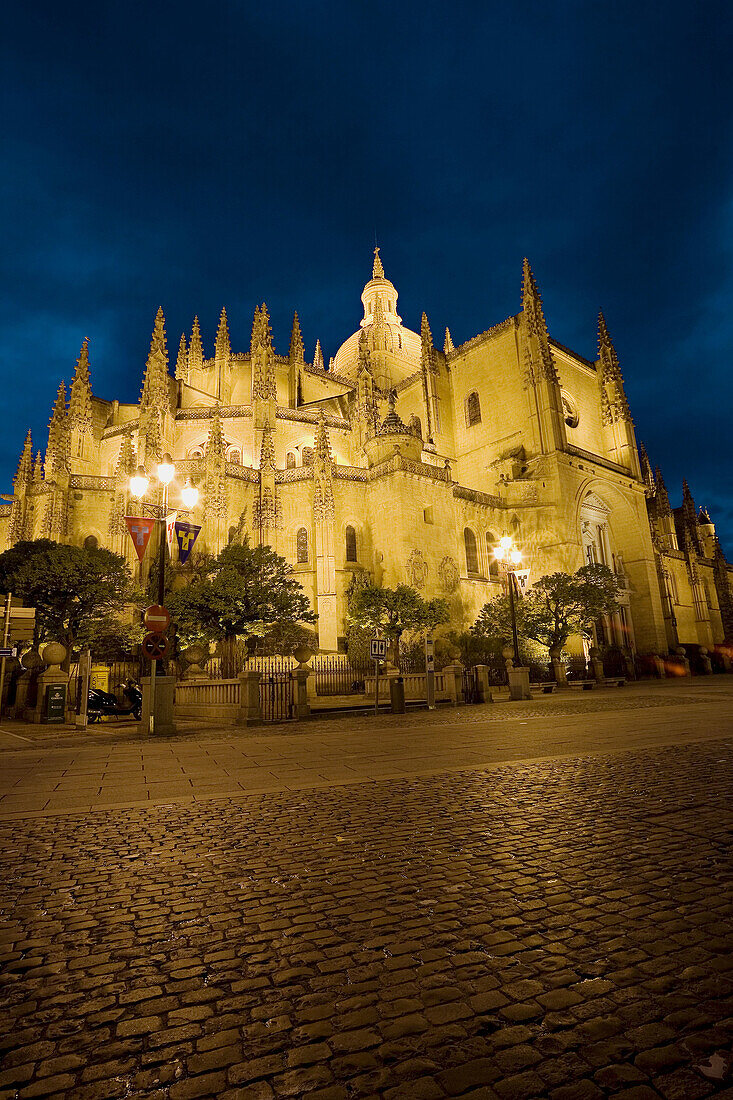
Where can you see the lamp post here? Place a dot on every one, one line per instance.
(506, 553)
(165, 474)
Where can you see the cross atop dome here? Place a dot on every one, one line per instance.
(378, 268)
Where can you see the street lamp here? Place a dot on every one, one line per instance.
(511, 558)
(165, 474)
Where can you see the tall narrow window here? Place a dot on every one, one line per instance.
(471, 551)
(350, 544)
(307, 456)
(473, 410)
(301, 546)
(493, 560)
(290, 461)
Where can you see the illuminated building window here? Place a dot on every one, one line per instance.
(473, 409)
(350, 544)
(469, 540)
(301, 546)
(290, 461)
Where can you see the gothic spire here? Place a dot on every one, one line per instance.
(256, 338)
(535, 319)
(646, 468)
(318, 356)
(689, 514)
(155, 381)
(363, 361)
(662, 496)
(614, 405)
(182, 360)
(448, 342)
(377, 267)
(80, 397)
(195, 348)
(222, 345)
(25, 463)
(427, 346)
(56, 449)
(125, 465)
(296, 352)
(38, 468)
(263, 359)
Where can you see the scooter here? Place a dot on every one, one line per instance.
(102, 703)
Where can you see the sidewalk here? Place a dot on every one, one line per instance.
(66, 772)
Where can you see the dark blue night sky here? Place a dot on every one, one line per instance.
(196, 156)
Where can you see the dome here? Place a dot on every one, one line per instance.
(394, 350)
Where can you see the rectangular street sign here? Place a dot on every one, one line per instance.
(378, 649)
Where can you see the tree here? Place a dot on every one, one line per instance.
(396, 610)
(71, 587)
(557, 606)
(244, 591)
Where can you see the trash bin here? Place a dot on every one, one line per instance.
(397, 694)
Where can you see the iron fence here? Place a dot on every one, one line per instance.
(338, 676)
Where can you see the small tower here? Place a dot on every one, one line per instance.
(318, 356)
(448, 342)
(540, 373)
(663, 516)
(706, 533)
(21, 516)
(646, 470)
(215, 486)
(295, 363)
(429, 370)
(81, 437)
(56, 469)
(156, 421)
(615, 413)
(264, 388)
(195, 352)
(323, 526)
(266, 509)
(182, 360)
(223, 357)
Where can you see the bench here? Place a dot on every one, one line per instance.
(582, 685)
(615, 681)
(546, 689)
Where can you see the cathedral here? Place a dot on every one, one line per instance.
(399, 463)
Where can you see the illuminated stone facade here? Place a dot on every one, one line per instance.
(402, 462)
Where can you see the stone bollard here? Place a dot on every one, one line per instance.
(559, 672)
(681, 652)
(518, 677)
(302, 706)
(54, 677)
(453, 680)
(706, 663)
(165, 690)
(484, 689)
(250, 707)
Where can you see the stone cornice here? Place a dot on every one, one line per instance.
(477, 497)
(510, 322)
(92, 481)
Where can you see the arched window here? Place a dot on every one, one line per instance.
(350, 544)
(91, 542)
(469, 540)
(307, 456)
(493, 561)
(301, 546)
(473, 410)
(290, 461)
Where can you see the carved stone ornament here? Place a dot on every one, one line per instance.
(417, 569)
(449, 574)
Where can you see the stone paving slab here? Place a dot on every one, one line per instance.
(87, 775)
(560, 929)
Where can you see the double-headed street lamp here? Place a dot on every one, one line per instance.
(510, 557)
(139, 483)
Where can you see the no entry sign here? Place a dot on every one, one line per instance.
(155, 646)
(157, 618)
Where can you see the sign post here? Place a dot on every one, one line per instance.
(377, 651)
(6, 631)
(154, 646)
(85, 668)
(430, 672)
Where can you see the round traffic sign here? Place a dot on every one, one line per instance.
(155, 646)
(157, 618)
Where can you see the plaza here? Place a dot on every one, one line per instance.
(503, 901)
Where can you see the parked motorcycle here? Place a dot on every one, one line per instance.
(102, 703)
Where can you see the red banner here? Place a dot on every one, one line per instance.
(140, 531)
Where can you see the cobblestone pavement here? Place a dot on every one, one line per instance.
(560, 928)
(64, 772)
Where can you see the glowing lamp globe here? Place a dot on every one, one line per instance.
(505, 542)
(166, 470)
(189, 495)
(139, 482)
